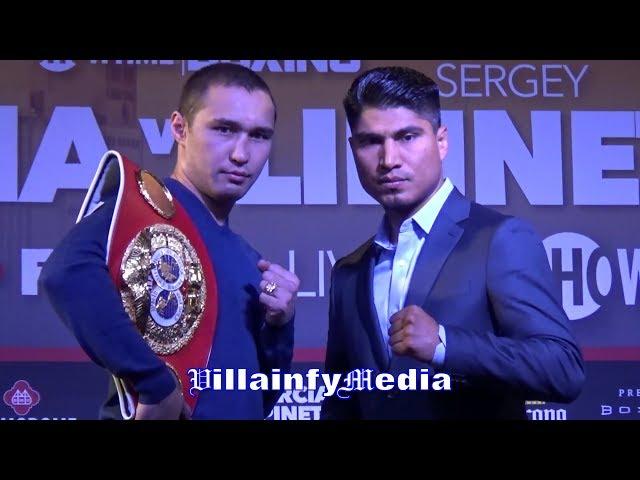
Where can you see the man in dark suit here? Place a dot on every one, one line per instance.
(445, 284)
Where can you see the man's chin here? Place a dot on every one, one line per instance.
(229, 193)
(394, 201)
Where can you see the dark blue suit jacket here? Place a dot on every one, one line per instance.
(485, 277)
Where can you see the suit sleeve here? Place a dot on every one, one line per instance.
(77, 282)
(275, 350)
(532, 350)
(337, 362)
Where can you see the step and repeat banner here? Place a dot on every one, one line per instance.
(555, 142)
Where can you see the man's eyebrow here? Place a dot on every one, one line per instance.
(410, 129)
(398, 133)
(367, 136)
(266, 131)
(234, 125)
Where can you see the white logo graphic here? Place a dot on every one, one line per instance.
(57, 65)
(569, 255)
(546, 414)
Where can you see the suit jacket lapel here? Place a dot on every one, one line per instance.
(367, 309)
(439, 244)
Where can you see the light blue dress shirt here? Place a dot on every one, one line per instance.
(394, 267)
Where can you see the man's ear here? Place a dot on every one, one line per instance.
(178, 127)
(442, 137)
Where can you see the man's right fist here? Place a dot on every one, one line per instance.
(172, 407)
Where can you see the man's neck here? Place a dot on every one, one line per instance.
(395, 217)
(219, 211)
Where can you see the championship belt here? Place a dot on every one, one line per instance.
(161, 267)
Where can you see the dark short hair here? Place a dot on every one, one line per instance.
(225, 74)
(392, 87)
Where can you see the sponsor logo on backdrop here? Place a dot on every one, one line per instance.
(625, 405)
(187, 66)
(57, 65)
(588, 273)
(537, 410)
(21, 397)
